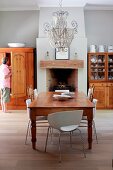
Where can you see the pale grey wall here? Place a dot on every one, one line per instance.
(99, 27)
(19, 26)
(76, 14)
(23, 26)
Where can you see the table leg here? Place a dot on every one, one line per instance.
(33, 133)
(90, 133)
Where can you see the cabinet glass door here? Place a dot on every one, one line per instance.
(110, 67)
(97, 67)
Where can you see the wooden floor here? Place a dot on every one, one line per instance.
(15, 155)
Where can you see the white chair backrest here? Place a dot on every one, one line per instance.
(35, 91)
(65, 118)
(94, 109)
(28, 101)
(67, 91)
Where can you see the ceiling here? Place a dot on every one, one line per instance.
(36, 4)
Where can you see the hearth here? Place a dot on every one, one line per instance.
(62, 86)
(62, 79)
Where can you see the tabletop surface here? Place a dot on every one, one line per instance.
(46, 99)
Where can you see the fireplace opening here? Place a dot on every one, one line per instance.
(62, 86)
(62, 79)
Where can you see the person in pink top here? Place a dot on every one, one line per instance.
(5, 74)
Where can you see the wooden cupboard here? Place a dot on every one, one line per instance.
(100, 74)
(22, 66)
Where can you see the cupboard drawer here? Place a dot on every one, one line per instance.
(109, 84)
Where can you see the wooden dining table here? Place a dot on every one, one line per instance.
(45, 104)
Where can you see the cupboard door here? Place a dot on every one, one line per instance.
(109, 95)
(1, 56)
(100, 94)
(30, 70)
(18, 85)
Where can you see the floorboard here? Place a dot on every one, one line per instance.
(15, 155)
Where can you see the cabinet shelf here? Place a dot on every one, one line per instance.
(99, 67)
(98, 63)
(98, 71)
(110, 62)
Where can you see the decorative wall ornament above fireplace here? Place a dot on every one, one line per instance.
(62, 55)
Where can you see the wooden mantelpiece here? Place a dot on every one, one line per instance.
(74, 64)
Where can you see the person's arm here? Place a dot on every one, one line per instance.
(8, 75)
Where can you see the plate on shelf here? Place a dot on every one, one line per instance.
(16, 44)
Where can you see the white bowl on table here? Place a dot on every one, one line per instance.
(70, 94)
(61, 97)
(16, 44)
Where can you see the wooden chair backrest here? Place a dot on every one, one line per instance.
(30, 93)
(91, 93)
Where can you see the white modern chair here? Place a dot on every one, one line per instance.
(84, 118)
(65, 121)
(41, 121)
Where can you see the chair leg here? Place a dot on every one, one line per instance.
(27, 131)
(71, 139)
(82, 142)
(59, 148)
(47, 138)
(49, 128)
(94, 127)
(51, 132)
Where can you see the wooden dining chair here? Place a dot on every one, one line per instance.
(91, 93)
(65, 121)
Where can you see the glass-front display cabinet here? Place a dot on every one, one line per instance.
(100, 75)
(97, 67)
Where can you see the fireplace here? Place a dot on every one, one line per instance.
(61, 75)
(62, 79)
